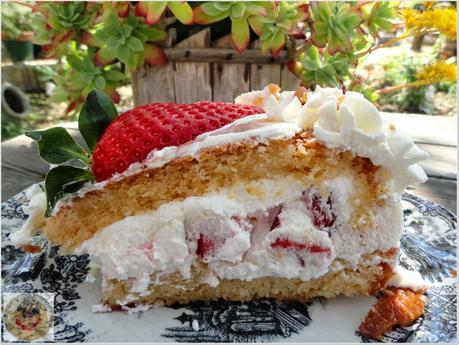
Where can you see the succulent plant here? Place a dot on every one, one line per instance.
(128, 40)
(335, 25)
(239, 12)
(378, 16)
(153, 10)
(322, 68)
(80, 75)
(280, 22)
(57, 23)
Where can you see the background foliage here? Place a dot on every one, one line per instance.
(100, 43)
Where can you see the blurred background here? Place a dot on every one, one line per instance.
(401, 55)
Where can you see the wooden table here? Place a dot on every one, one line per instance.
(21, 165)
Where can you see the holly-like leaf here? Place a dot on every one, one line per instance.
(63, 179)
(182, 11)
(240, 34)
(96, 114)
(57, 146)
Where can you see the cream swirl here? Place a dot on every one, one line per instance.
(346, 121)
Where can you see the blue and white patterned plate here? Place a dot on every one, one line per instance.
(428, 246)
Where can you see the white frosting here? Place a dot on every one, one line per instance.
(351, 122)
(166, 240)
(404, 278)
(35, 209)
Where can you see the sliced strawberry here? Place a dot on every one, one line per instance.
(276, 222)
(322, 213)
(134, 134)
(206, 246)
(284, 243)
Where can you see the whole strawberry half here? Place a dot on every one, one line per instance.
(134, 134)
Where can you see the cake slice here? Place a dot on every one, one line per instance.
(285, 195)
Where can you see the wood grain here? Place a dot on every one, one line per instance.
(192, 81)
(229, 80)
(289, 81)
(263, 74)
(229, 55)
(153, 84)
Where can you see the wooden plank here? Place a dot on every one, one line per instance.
(192, 81)
(438, 190)
(153, 84)
(262, 74)
(195, 54)
(428, 129)
(289, 81)
(229, 80)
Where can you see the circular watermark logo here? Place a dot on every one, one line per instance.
(28, 316)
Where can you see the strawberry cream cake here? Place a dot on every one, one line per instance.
(285, 195)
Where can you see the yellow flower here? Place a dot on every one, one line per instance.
(439, 19)
(438, 72)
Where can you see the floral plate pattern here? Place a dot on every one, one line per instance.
(428, 245)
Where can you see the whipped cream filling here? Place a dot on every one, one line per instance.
(406, 279)
(264, 228)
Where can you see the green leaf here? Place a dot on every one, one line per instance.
(127, 30)
(135, 44)
(99, 82)
(237, 10)
(155, 10)
(123, 53)
(63, 179)
(79, 65)
(96, 114)
(210, 9)
(59, 95)
(57, 146)
(151, 34)
(114, 75)
(240, 33)
(222, 5)
(182, 11)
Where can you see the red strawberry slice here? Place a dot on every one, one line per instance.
(137, 132)
(284, 243)
(206, 246)
(322, 213)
